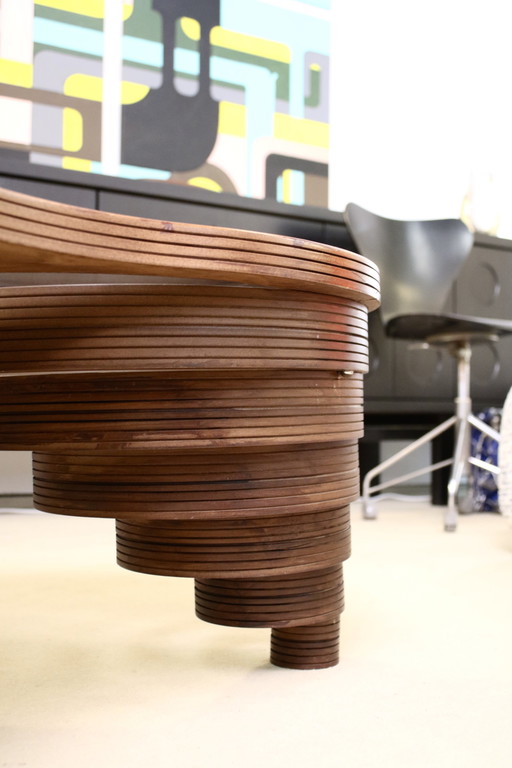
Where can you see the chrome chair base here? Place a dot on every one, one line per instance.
(463, 418)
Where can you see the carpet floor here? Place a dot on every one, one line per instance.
(104, 668)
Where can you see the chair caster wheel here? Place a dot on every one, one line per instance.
(369, 511)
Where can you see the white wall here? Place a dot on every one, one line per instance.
(420, 97)
(15, 472)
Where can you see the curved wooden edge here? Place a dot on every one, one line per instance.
(39, 235)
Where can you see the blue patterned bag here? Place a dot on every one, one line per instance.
(485, 487)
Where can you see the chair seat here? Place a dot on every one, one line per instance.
(427, 327)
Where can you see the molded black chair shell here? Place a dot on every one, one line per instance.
(419, 262)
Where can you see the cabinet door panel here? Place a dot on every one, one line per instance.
(423, 374)
(484, 285)
(210, 215)
(378, 382)
(61, 193)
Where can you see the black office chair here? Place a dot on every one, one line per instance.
(419, 261)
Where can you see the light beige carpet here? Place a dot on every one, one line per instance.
(103, 668)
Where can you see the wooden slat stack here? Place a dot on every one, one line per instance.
(215, 414)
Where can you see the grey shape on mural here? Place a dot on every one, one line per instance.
(52, 69)
(169, 130)
(41, 158)
(227, 93)
(46, 125)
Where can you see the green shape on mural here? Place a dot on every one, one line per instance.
(313, 98)
(66, 17)
(144, 22)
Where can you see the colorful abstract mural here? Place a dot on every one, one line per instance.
(227, 95)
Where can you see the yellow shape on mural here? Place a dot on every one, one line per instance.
(287, 177)
(72, 130)
(256, 46)
(205, 183)
(91, 87)
(16, 73)
(232, 118)
(191, 28)
(93, 8)
(300, 130)
(76, 164)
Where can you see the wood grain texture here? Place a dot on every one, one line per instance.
(217, 485)
(163, 411)
(146, 327)
(42, 236)
(215, 416)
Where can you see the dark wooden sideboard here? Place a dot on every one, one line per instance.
(407, 390)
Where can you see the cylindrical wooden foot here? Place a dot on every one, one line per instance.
(314, 646)
(303, 611)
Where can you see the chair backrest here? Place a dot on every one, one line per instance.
(418, 260)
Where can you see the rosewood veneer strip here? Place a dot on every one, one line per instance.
(216, 466)
(59, 236)
(266, 563)
(328, 494)
(314, 647)
(125, 347)
(84, 217)
(223, 554)
(294, 525)
(199, 240)
(205, 510)
(181, 386)
(73, 223)
(67, 472)
(29, 245)
(255, 599)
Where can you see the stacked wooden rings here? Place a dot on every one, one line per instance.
(217, 423)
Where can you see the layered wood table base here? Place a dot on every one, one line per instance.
(218, 424)
(260, 530)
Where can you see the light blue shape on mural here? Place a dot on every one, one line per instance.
(186, 62)
(135, 172)
(300, 32)
(298, 187)
(68, 36)
(143, 51)
(193, 60)
(71, 37)
(279, 189)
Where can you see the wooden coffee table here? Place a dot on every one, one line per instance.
(214, 413)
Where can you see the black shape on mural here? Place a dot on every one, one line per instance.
(7, 154)
(277, 164)
(168, 130)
